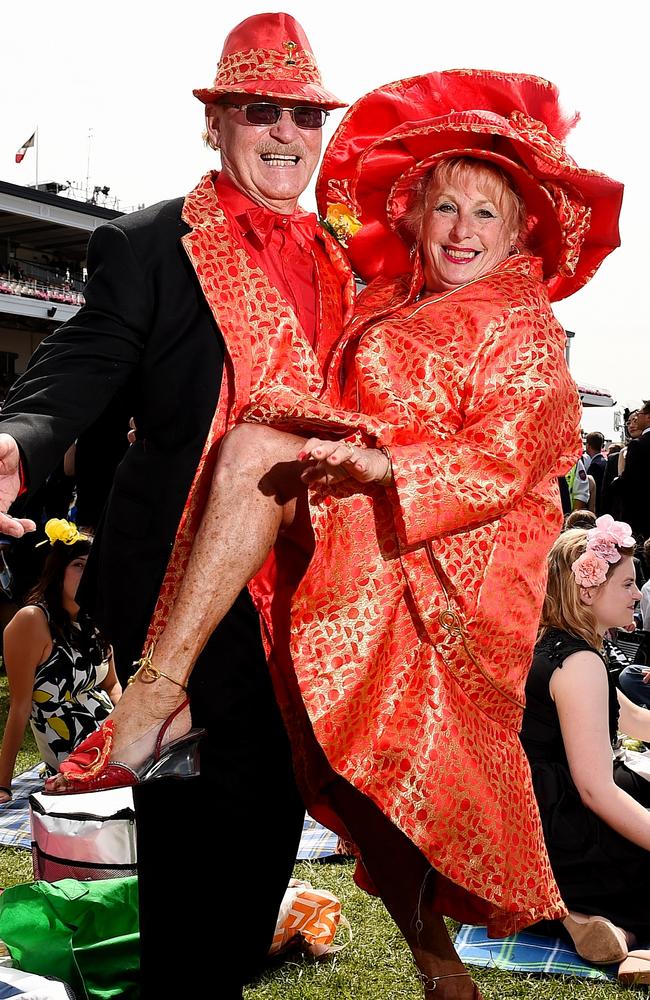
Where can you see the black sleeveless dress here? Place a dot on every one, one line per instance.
(597, 870)
(67, 702)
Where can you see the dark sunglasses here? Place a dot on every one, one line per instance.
(270, 114)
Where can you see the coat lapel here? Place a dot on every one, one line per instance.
(264, 345)
(260, 329)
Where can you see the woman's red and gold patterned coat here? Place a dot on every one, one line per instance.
(413, 626)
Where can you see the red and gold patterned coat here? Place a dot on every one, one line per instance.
(413, 627)
(264, 344)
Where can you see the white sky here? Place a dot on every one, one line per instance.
(126, 70)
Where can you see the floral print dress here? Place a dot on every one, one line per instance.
(67, 702)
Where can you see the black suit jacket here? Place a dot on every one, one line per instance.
(596, 469)
(147, 332)
(636, 485)
(611, 474)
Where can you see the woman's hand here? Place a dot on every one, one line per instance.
(332, 461)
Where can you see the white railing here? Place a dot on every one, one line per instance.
(36, 290)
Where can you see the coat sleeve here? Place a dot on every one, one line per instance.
(77, 370)
(521, 420)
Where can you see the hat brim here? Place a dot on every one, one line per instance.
(291, 90)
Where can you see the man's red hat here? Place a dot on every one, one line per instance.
(269, 55)
(393, 136)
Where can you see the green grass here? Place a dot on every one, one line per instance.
(375, 965)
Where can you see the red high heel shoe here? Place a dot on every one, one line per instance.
(90, 769)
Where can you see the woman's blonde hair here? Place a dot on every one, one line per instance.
(563, 607)
(460, 171)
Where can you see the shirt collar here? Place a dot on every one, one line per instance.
(258, 222)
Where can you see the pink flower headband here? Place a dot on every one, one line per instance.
(603, 544)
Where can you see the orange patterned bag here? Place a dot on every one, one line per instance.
(309, 919)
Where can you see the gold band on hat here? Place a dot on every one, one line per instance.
(261, 64)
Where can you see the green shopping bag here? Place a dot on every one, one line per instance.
(85, 933)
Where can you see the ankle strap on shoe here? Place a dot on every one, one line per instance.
(148, 674)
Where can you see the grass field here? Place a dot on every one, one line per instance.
(374, 966)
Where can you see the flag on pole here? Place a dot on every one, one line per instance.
(20, 155)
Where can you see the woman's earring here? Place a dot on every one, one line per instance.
(514, 249)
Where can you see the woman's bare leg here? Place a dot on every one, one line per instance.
(405, 881)
(253, 496)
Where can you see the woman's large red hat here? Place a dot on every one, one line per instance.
(269, 55)
(390, 138)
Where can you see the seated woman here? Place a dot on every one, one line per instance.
(401, 596)
(594, 810)
(60, 672)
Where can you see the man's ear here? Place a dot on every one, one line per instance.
(212, 134)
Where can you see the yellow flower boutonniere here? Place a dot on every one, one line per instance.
(341, 223)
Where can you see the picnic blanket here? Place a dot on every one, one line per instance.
(527, 953)
(316, 841)
(14, 816)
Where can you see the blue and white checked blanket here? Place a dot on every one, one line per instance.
(527, 953)
(316, 841)
(14, 815)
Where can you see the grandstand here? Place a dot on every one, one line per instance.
(43, 242)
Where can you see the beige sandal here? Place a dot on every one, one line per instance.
(635, 969)
(596, 939)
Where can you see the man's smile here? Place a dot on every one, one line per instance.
(280, 160)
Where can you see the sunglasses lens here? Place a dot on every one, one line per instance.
(262, 114)
(269, 114)
(309, 117)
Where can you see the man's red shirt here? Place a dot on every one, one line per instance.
(283, 246)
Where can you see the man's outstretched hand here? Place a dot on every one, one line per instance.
(9, 486)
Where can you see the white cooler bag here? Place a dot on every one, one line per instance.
(85, 836)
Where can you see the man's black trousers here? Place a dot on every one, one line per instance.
(215, 852)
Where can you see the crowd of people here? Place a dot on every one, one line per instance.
(602, 482)
(33, 289)
(328, 542)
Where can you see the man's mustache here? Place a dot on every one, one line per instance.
(279, 149)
